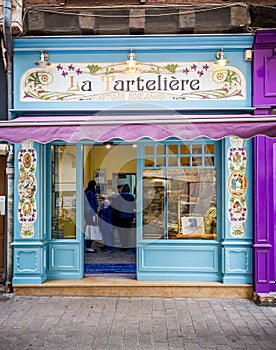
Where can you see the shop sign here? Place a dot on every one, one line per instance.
(167, 81)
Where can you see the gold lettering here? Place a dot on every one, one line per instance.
(107, 79)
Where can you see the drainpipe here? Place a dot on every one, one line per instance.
(7, 32)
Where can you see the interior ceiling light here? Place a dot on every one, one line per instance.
(108, 145)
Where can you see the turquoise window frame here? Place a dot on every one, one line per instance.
(140, 159)
(79, 191)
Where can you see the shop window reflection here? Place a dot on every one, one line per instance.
(160, 161)
(173, 149)
(63, 192)
(153, 204)
(173, 161)
(185, 149)
(185, 161)
(191, 203)
(179, 200)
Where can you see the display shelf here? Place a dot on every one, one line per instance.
(172, 235)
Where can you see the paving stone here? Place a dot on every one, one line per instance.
(52, 323)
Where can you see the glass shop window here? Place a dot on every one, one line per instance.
(63, 192)
(179, 197)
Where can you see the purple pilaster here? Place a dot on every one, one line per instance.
(264, 100)
(265, 215)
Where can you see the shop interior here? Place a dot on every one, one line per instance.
(111, 165)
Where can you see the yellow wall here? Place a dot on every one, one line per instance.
(117, 159)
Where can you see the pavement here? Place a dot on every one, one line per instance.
(111, 323)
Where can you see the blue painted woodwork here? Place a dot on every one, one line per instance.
(30, 254)
(237, 266)
(38, 258)
(64, 260)
(66, 256)
(178, 260)
(180, 48)
(237, 252)
(29, 263)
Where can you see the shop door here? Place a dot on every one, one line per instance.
(2, 213)
(109, 167)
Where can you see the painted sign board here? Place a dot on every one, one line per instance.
(132, 81)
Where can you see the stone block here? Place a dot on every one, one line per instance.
(265, 299)
(35, 21)
(62, 23)
(110, 22)
(159, 21)
(186, 21)
(213, 21)
(239, 16)
(137, 21)
(87, 22)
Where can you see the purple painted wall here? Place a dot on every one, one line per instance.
(265, 215)
(264, 69)
(264, 99)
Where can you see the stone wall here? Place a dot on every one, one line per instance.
(144, 17)
(136, 20)
(65, 17)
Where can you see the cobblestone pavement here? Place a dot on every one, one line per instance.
(134, 323)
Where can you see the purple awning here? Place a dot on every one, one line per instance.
(134, 127)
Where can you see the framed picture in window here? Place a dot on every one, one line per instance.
(192, 225)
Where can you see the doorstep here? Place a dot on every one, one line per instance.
(121, 286)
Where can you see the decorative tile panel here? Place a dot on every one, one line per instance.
(237, 186)
(26, 185)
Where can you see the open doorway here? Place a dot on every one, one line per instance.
(109, 167)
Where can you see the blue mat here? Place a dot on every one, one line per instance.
(109, 268)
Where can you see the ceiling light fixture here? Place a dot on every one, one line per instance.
(221, 61)
(131, 63)
(108, 145)
(43, 62)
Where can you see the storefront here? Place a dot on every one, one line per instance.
(264, 101)
(177, 118)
